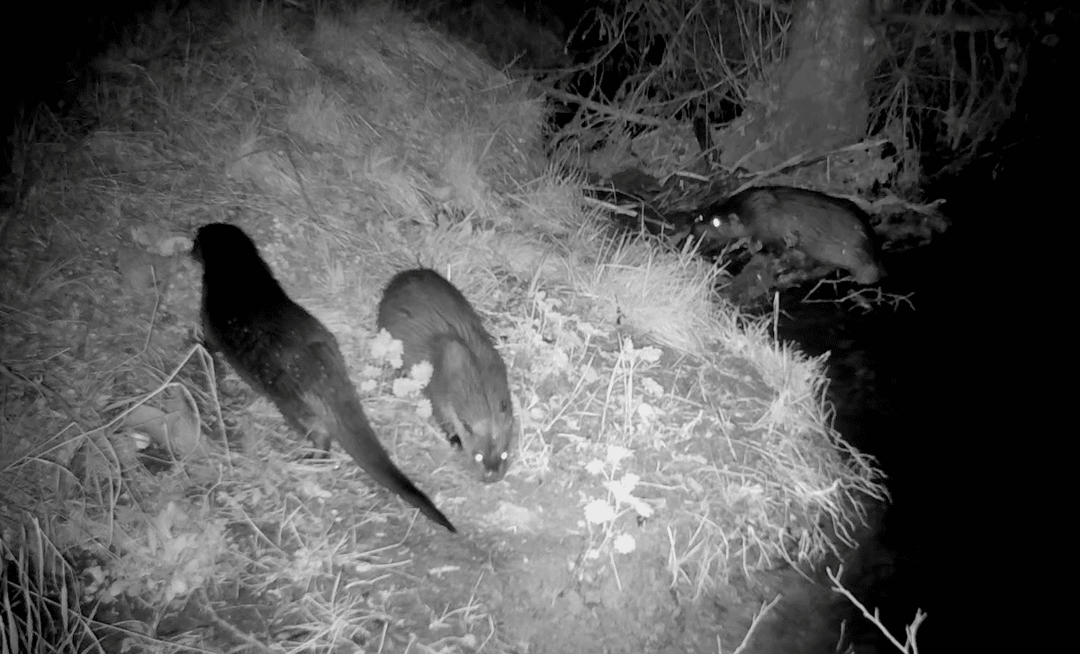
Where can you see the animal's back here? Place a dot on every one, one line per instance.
(248, 317)
(419, 304)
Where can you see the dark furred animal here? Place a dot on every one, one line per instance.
(286, 354)
(829, 230)
(469, 392)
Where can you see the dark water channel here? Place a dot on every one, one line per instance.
(892, 373)
(915, 386)
(939, 393)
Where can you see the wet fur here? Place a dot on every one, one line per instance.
(830, 230)
(469, 393)
(285, 353)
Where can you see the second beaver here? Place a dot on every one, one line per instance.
(830, 230)
(469, 392)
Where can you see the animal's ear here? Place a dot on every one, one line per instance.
(451, 423)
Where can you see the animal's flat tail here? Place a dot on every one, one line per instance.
(350, 427)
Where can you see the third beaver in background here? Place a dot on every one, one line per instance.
(829, 230)
(468, 390)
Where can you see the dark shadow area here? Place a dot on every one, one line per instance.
(50, 49)
(927, 390)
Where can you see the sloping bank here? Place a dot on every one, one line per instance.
(670, 452)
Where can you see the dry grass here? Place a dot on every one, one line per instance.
(40, 607)
(350, 150)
